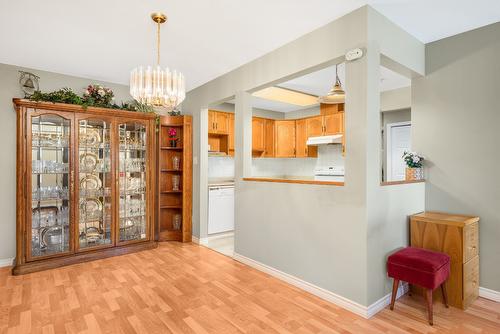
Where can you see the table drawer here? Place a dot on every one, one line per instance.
(471, 241)
(471, 279)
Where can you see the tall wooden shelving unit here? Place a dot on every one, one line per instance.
(172, 202)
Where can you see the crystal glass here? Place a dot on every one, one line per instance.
(176, 221)
(95, 180)
(132, 181)
(176, 162)
(175, 182)
(50, 184)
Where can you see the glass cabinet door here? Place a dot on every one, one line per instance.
(51, 185)
(94, 183)
(132, 181)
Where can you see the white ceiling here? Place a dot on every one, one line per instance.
(104, 40)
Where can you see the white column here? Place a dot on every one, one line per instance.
(243, 135)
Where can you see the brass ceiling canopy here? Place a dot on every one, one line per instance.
(159, 17)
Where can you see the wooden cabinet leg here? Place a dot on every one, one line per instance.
(445, 295)
(428, 296)
(395, 286)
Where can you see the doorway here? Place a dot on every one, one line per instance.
(398, 142)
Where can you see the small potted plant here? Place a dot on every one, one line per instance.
(98, 96)
(414, 166)
(172, 136)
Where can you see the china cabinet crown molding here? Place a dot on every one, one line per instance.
(52, 183)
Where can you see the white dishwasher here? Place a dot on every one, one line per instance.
(220, 209)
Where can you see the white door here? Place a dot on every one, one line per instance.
(398, 141)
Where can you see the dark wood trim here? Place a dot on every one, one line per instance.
(263, 179)
(31, 267)
(395, 183)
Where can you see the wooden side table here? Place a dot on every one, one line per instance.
(457, 236)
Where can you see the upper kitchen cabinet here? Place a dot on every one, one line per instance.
(269, 140)
(258, 136)
(326, 125)
(284, 139)
(218, 122)
(302, 150)
(314, 126)
(231, 134)
(333, 124)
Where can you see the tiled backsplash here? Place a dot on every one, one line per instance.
(220, 167)
(328, 155)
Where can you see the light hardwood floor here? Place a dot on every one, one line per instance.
(185, 288)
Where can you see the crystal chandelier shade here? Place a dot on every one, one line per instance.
(156, 86)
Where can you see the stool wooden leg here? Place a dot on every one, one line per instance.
(395, 286)
(445, 295)
(428, 296)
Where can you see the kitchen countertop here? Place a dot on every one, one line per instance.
(292, 179)
(220, 182)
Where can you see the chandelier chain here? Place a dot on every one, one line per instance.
(158, 43)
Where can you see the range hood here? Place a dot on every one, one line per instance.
(324, 140)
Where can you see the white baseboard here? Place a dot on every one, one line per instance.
(489, 294)
(383, 302)
(6, 262)
(364, 311)
(205, 241)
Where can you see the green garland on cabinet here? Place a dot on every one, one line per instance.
(94, 96)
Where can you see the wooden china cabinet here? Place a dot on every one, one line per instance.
(85, 184)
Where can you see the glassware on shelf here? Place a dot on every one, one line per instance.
(50, 153)
(132, 164)
(176, 221)
(176, 162)
(175, 182)
(94, 226)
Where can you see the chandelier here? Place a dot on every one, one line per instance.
(336, 95)
(156, 86)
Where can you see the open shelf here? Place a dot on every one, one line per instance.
(174, 163)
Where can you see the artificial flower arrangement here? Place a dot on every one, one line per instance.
(97, 95)
(414, 166)
(172, 135)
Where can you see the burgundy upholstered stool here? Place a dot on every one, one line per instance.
(420, 267)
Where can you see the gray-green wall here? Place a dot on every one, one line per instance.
(456, 126)
(9, 88)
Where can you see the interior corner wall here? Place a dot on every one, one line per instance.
(9, 88)
(456, 118)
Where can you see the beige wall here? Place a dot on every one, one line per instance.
(9, 88)
(318, 233)
(395, 99)
(456, 126)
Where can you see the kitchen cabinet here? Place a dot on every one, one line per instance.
(333, 124)
(314, 126)
(85, 184)
(302, 150)
(269, 139)
(218, 122)
(326, 125)
(258, 136)
(284, 138)
(231, 134)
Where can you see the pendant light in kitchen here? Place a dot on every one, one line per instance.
(336, 95)
(156, 86)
